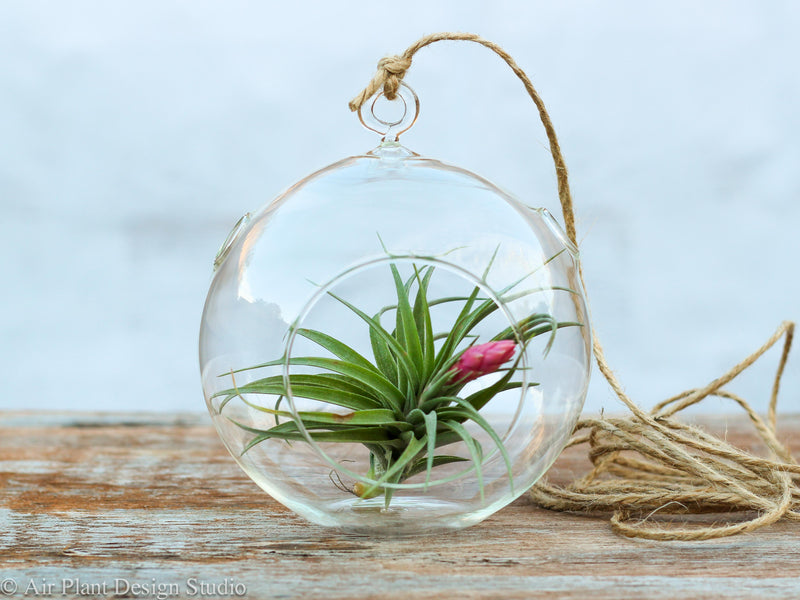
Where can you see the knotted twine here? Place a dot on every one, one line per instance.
(647, 463)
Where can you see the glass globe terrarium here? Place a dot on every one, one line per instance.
(394, 344)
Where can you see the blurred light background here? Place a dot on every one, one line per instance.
(133, 135)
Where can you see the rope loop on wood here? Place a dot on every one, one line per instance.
(646, 465)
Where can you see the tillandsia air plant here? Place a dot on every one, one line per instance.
(407, 401)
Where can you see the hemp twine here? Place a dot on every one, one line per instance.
(648, 463)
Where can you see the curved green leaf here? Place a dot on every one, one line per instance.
(407, 333)
(337, 348)
(472, 446)
(422, 464)
(339, 397)
(387, 394)
(467, 412)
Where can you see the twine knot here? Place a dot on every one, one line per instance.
(394, 69)
(391, 70)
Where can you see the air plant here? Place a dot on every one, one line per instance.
(407, 400)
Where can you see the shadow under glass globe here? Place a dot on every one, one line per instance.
(395, 345)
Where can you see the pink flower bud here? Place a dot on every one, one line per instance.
(482, 359)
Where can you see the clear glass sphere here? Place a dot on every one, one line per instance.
(395, 344)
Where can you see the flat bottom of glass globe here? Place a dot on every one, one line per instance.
(404, 517)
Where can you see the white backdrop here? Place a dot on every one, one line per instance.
(133, 135)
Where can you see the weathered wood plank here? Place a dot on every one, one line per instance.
(155, 500)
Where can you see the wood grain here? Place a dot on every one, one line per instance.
(155, 500)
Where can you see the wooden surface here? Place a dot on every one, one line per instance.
(154, 500)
